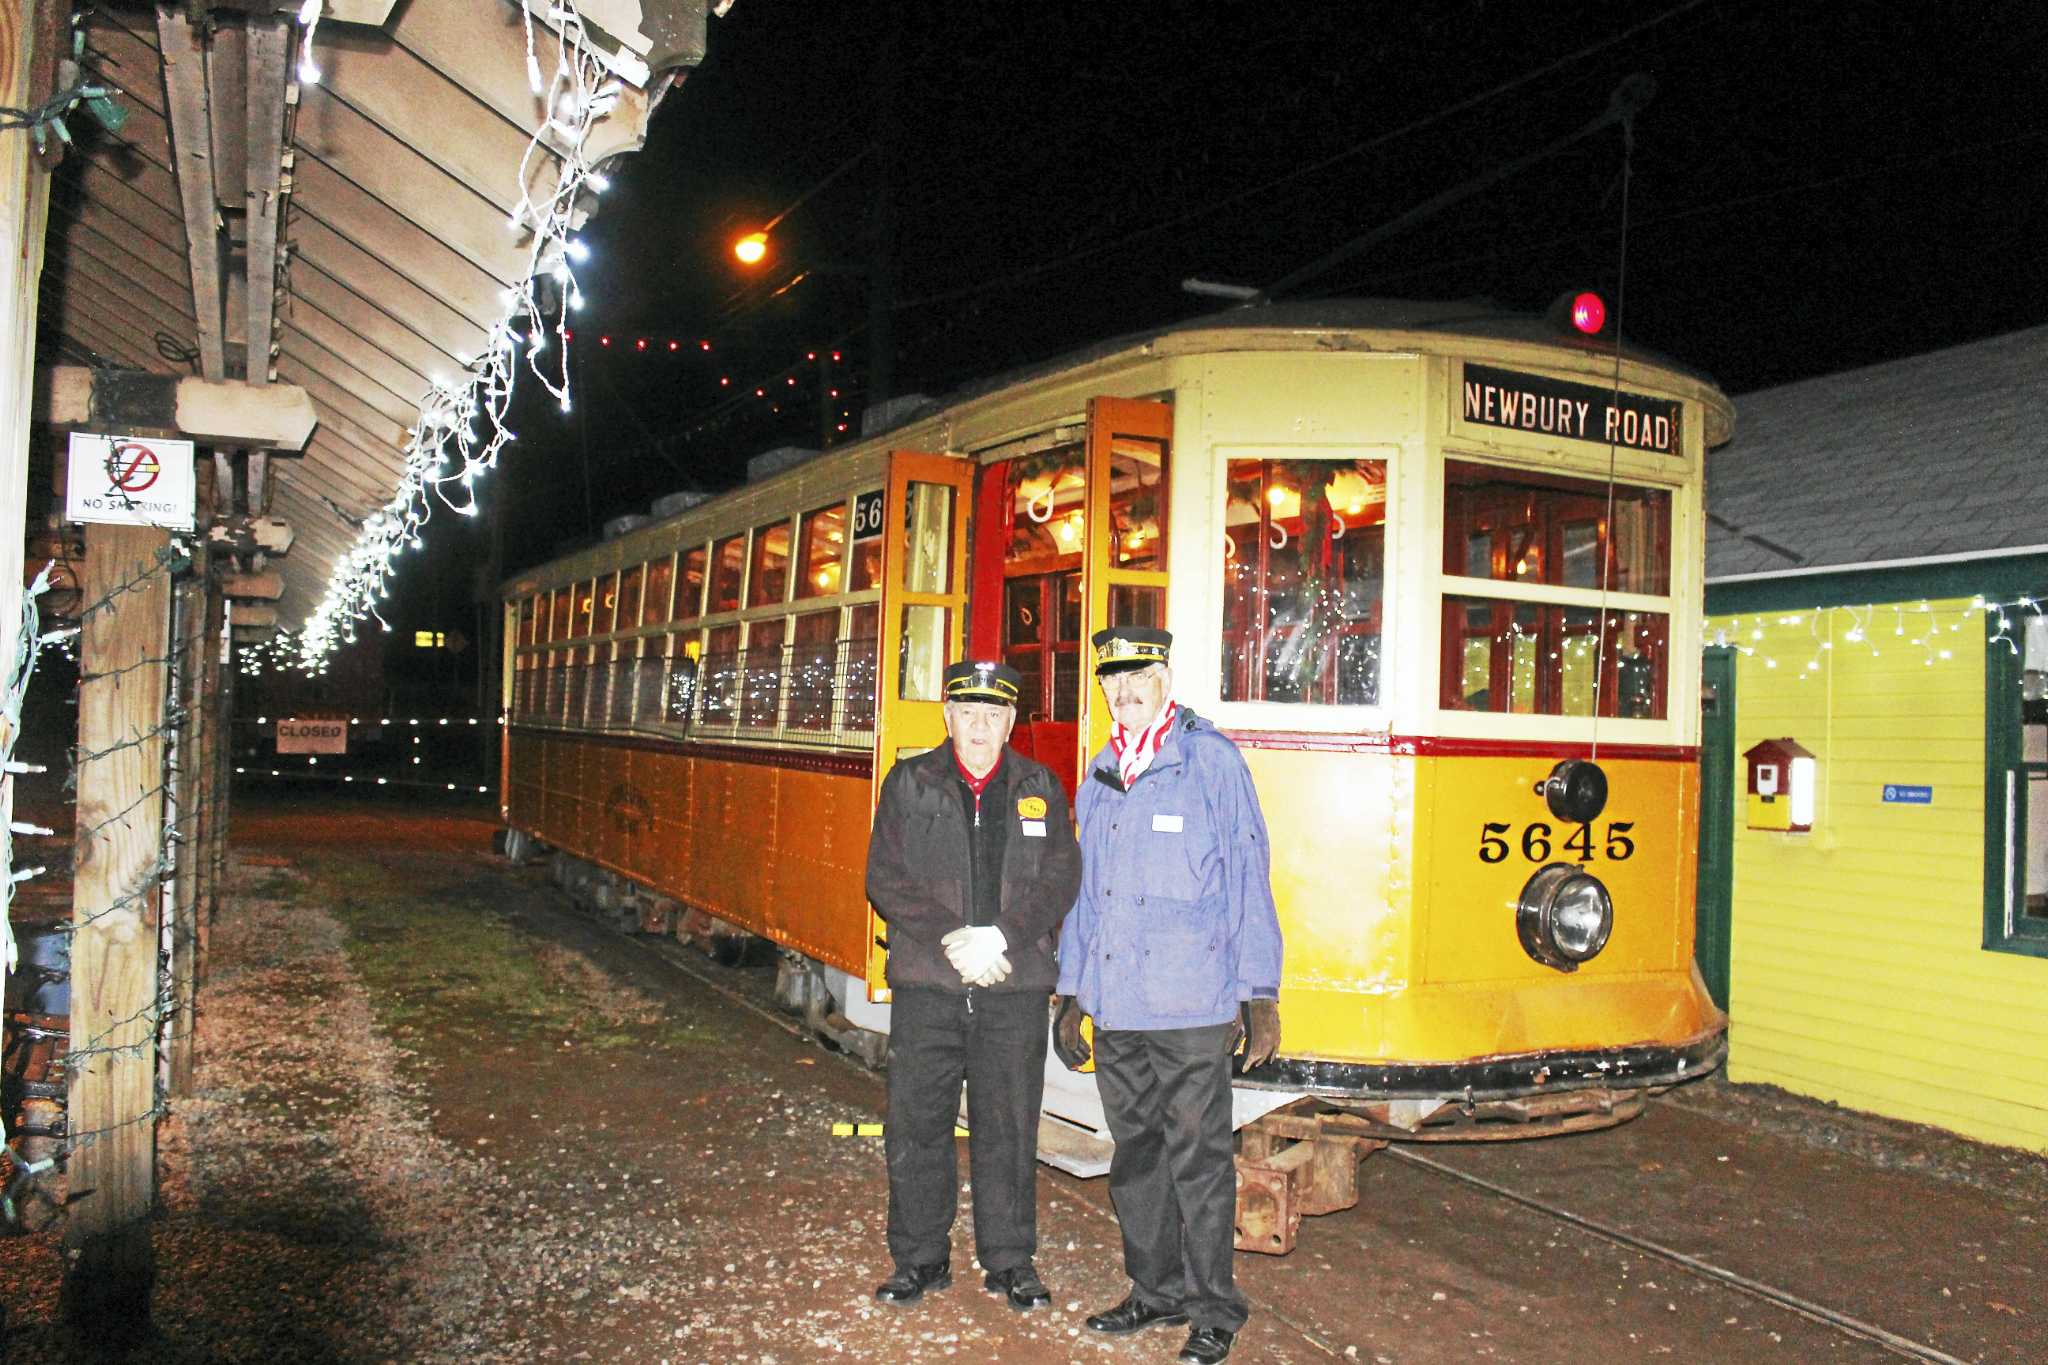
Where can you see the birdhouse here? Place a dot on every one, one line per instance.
(1782, 777)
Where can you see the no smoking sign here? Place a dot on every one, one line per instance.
(129, 481)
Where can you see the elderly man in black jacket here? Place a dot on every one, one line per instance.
(973, 863)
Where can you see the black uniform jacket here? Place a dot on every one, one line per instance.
(919, 867)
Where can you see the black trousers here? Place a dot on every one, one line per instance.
(1166, 1093)
(999, 1048)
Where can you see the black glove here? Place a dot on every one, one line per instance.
(1258, 1027)
(1067, 1043)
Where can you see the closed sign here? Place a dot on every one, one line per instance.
(312, 736)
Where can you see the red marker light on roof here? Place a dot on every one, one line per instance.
(675, 345)
(1589, 312)
(641, 344)
(604, 341)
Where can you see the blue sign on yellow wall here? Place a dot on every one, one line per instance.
(1911, 796)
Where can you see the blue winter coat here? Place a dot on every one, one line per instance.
(1174, 926)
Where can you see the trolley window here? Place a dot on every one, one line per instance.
(1532, 528)
(728, 567)
(866, 573)
(1047, 494)
(1531, 659)
(1522, 652)
(761, 702)
(1304, 562)
(661, 574)
(720, 677)
(629, 596)
(558, 628)
(1137, 505)
(768, 584)
(605, 613)
(529, 619)
(584, 594)
(690, 584)
(863, 631)
(814, 670)
(823, 547)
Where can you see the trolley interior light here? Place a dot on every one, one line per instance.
(1589, 312)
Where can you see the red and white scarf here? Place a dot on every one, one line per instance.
(1133, 756)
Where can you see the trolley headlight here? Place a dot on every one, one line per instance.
(1564, 917)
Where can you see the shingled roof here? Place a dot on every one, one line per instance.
(1926, 457)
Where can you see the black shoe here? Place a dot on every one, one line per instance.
(1132, 1316)
(1207, 1345)
(1020, 1285)
(909, 1282)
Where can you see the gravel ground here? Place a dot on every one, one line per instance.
(458, 1141)
(437, 1117)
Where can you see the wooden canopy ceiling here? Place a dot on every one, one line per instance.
(350, 237)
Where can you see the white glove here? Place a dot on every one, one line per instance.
(999, 971)
(975, 951)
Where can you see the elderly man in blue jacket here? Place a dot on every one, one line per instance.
(1173, 948)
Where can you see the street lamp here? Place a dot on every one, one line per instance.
(751, 249)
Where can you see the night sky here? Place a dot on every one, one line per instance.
(1814, 187)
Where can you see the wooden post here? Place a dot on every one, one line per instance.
(220, 753)
(188, 782)
(205, 784)
(116, 903)
(27, 57)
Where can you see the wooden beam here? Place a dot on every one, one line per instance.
(269, 41)
(230, 411)
(465, 41)
(258, 478)
(252, 616)
(317, 248)
(319, 192)
(365, 390)
(331, 134)
(115, 907)
(227, 90)
(185, 86)
(438, 118)
(266, 586)
(403, 383)
(396, 337)
(92, 235)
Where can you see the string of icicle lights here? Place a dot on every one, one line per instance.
(1915, 632)
(461, 422)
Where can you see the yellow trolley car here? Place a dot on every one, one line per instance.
(1435, 568)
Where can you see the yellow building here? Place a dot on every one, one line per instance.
(1871, 601)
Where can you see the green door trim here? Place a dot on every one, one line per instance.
(1713, 924)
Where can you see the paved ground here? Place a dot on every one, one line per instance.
(439, 1116)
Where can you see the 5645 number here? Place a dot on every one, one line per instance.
(1497, 841)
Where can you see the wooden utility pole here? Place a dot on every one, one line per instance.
(116, 907)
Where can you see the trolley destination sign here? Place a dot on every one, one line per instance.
(1556, 407)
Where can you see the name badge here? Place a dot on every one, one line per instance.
(1166, 824)
(1034, 828)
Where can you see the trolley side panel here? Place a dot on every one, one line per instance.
(769, 845)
